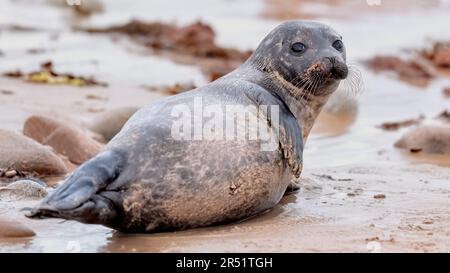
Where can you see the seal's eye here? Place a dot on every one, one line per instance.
(298, 48)
(338, 45)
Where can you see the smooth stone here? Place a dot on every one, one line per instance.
(108, 124)
(21, 153)
(23, 189)
(13, 229)
(441, 56)
(11, 173)
(71, 141)
(429, 138)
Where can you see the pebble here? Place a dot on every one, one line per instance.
(69, 140)
(28, 189)
(13, 229)
(11, 173)
(22, 154)
(109, 123)
(379, 196)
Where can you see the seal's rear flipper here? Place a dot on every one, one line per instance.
(292, 188)
(82, 196)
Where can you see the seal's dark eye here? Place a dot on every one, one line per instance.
(338, 45)
(298, 47)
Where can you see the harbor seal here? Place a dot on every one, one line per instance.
(152, 177)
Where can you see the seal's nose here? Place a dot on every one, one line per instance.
(338, 69)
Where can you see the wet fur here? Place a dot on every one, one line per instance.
(146, 181)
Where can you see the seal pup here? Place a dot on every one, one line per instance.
(147, 180)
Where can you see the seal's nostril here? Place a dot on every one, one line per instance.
(332, 60)
(337, 69)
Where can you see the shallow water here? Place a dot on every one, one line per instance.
(338, 214)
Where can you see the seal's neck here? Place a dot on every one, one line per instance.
(304, 107)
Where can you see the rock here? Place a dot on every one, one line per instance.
(11, 173)
(446, 92)
(108, 124)
(441, 54)
(85, 8)
(70, 141)
(23, 189)
(6, 92)
(338, 114)
(342, 103)
(430, 138)
(444, 116)
(88, 8)
(379, 196)
(13, 229)
(21, 153)
(406, 69)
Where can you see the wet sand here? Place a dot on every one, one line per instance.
(359, 193)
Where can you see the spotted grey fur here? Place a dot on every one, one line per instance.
(146, 181)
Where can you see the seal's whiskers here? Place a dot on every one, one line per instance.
(353, 84)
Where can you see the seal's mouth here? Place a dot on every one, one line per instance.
(323, 73)
(328, 68)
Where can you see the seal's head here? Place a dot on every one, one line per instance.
(308, 57)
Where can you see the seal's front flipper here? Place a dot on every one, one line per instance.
(289, 132)
(291, 143)
(82, 196)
